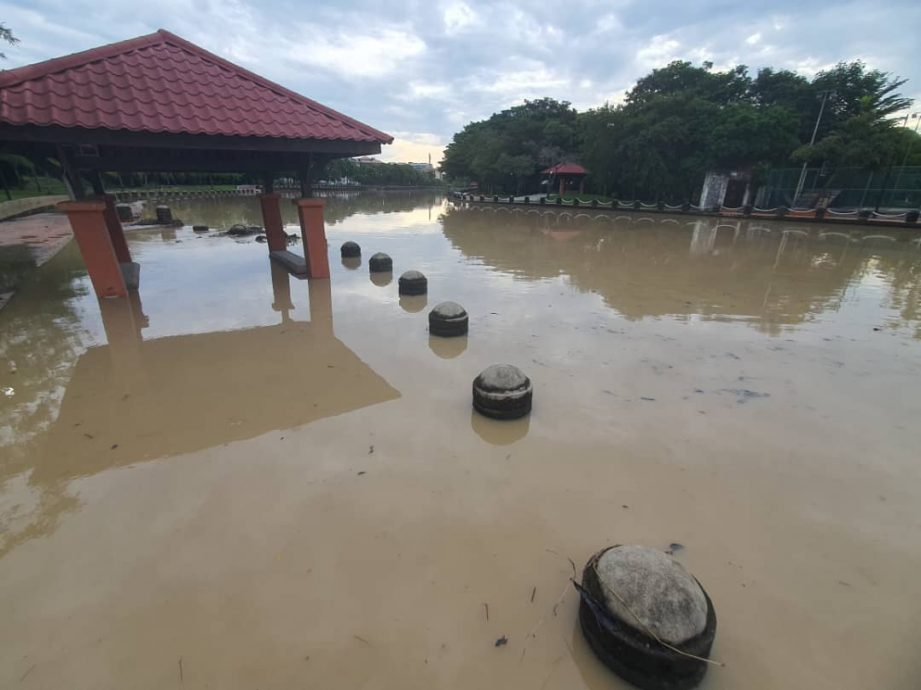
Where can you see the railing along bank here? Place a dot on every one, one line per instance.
(824, 215)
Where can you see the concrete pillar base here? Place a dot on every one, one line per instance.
(88, 222)
(313, 232)
(274, 225)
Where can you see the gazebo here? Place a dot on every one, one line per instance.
(567, 176)
(158, 103)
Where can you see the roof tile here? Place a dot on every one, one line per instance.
(162, 83)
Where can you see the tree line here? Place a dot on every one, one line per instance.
(682, 120)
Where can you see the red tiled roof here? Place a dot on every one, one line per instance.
(565, 169)
(162, 83)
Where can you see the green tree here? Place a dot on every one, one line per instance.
(506, 152)
(6, 35)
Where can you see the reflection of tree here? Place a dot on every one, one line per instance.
(905, 293)
(221, 213)
(650, 267)
(41, 339)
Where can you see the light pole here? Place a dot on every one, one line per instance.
(802, 176)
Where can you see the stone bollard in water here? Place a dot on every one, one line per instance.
(349, 250)
(502, 391)
(448, 319)
(646, 617)
(164, 215)
(200, 228)
(380, 263)
(413, 283)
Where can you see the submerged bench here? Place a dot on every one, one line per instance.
(291, 261)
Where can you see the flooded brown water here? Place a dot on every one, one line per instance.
(239, 480)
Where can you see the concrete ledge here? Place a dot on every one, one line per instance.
(18, 207)
(131, 272)
(292, 262)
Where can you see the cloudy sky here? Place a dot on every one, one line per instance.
(420, 70)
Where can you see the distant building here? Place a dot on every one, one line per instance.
(367, 160)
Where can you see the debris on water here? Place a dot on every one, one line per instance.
(643, 397)
(502, 641)
(698, 390)
(533, 592)
(370, 450)
(9, 391)
(361, 639)
(733, 355)
(114, 446)
(88, 435)
(624, 505)
(674, 548)
(877, 328)
(361, 473)
(486, 607)
(743, 395)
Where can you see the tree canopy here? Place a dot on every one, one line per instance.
(680, 121)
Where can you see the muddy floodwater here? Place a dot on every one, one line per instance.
(238, 479)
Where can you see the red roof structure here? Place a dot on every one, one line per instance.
(162, 83)
(565, 169)
(158, 103)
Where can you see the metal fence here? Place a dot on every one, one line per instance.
(850, 188)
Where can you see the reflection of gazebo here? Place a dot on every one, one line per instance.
(158, 103)
(565, 176)
(134, 399)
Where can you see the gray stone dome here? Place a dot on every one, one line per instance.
(657, 589)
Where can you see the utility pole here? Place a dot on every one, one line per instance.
(802, 176)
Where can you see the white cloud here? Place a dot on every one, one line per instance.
(458, 16)
(414, 147)
(659, 51)
(348, 53)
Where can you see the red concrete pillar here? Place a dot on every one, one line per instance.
(87, 220)
(116, 231)
(271, 219)
(313, 232)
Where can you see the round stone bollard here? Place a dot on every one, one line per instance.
(351, 262)
(413, 283)
(380, 263)
(200, 228)
(350, 250)
(164, 215)
(502, 391)
(448, 319)
(638, 607)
